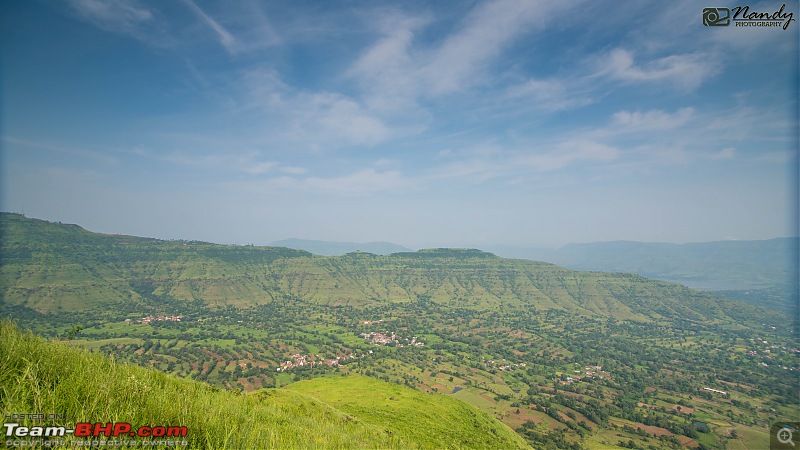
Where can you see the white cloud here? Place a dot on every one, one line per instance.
(260, 168)
(725, 153)
(318, 120)
(13, 143)
(394, 69)
(683, 71)
(485, 33)
(569, 153)
(225, 38)
(292, 170)
(652, 120)
(549, 157)
(126, 17)
(362, 182)
(113, 14)
(550, 95)
(472, 170)
(778, 157)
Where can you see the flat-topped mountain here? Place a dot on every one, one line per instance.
(51, 266)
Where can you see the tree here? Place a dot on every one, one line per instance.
(74, 332)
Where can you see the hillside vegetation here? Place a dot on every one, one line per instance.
(52, 378)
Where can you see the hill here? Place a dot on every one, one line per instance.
(330, 248)
(53, 378)
(50, 267)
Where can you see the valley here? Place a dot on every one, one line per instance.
(567, 359)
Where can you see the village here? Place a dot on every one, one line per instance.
(159, 318)
(587, 372)
(390, 339)
(502, 365)
(310, 361)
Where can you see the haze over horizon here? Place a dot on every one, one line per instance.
(421, 124)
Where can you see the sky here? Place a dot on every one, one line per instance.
(463, 123)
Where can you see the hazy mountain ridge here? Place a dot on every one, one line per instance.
(713, 265)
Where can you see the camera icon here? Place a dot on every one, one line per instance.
(716, 17)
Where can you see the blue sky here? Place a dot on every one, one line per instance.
(422, 123)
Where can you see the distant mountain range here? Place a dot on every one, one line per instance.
(703, 265)
(328, 248)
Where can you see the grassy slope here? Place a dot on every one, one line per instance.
(52, 378)
(53, 267)
(443, 423)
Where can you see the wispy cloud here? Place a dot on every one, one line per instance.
(651, 120)
(364, 181)
(549, 95)
(43, 146)
(398, 66)
(725, 153)
(683, 71)
(293, 170)
(486, 31)
(361, 182)
(126, 17)
(225, 38)
(778, 157)
(260, 167)
(318, 119)
(569, 153)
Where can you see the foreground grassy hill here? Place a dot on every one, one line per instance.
(52, 267)
(444, 423)
(338, 412)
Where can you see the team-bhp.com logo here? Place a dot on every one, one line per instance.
(86, 429)
(743, 17)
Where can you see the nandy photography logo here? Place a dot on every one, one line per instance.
(742, 16)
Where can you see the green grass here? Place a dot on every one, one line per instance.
(750, 438)
(433, 421)
(38, 376)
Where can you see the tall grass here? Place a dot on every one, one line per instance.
(37, 376)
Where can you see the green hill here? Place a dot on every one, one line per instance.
(52, 267)
(53, 378)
